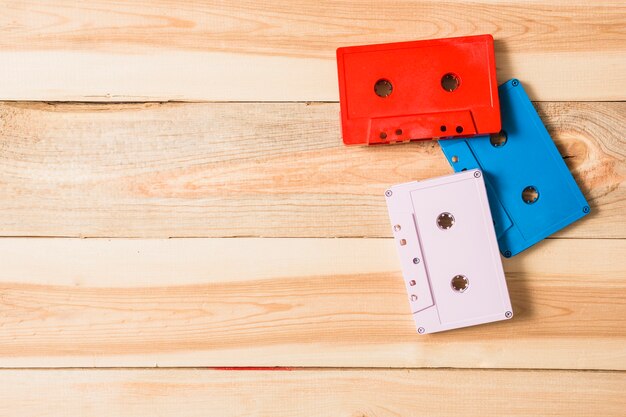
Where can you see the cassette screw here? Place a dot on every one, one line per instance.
(421, 330)
(414, 297)
(586, 209)
(508, 314)
(507, 254)
(477, 174)
(515, 83)
(412, 283)
(455, 159)
(416, 261)
(397, 228)
(388, 193)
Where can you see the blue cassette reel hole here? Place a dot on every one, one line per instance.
(499, 139)
(530, 195)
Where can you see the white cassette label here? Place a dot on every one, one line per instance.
(448, 252)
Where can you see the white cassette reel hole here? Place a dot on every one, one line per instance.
(459, 283)
(530, 194)
(450, 82)
(383, 88)
(445, 221)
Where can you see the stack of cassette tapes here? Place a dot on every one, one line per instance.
(511, 187)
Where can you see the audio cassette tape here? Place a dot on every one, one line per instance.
(448, 252)
(416, 90)
(531, 191)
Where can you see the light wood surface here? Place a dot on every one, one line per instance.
(97, 50)
(244, 169)
(293, 302)
(311, 393)
(217, 123)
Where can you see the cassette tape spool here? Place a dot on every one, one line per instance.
(418, 90)
(531, 192)
(448, 252)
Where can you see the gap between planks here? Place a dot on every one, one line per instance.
(108, 51)
(292, 302)
(258, 169)
(106, 77)
(363, 393)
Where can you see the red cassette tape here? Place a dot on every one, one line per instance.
(428, 89)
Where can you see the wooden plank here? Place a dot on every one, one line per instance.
(100, 50)
(293, 302)
(311, 393)
(248, 169)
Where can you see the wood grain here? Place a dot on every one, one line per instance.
(362, 393)
(99, 50)
(244, 169)
(293, 302)
(262, 157)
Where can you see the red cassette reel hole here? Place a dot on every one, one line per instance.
(450, 82)
(383, 88)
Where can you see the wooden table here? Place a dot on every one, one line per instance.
(186, 235)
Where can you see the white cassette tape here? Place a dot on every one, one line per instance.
(448, 252)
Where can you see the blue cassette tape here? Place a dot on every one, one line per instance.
(531, 192)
